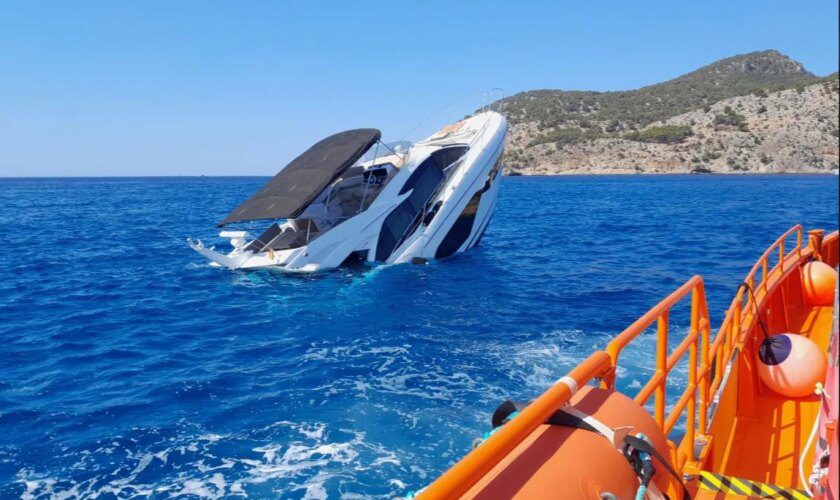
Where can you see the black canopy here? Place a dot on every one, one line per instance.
(296, 186)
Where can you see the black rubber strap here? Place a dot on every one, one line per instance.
(505, 410)
(560, 417)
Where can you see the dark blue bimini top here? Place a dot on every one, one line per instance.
(301, 181)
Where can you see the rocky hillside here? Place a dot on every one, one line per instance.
(758, 112)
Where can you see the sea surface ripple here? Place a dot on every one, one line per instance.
(129, 367)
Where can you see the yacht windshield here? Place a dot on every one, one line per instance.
(382, 150)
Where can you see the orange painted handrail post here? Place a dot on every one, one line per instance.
(782, 256)
(691, 413)
(799, 244)
(720, 349)
(815, 237)
(699, 301)
(764, 265)
(661, 368)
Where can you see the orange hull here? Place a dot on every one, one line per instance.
(741, 440)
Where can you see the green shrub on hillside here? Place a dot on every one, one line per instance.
(729, 117)
(613, 126)
(666, 134)
(570, 135)
(770, 71)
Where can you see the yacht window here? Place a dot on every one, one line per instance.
(447, 156)
(460, 230)
(423, 184)
(463, 226)
(376, 176)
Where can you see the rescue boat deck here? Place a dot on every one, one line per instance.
(767, 447)
(741, 439)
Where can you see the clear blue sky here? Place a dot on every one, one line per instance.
(187, 88)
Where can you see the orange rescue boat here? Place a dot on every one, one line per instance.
(756, 416)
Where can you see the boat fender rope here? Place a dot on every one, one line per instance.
(811, 482)
(755, 306)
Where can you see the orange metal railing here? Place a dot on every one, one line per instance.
(740, 317)
(698, 374)
(601, 365)
(831, 249)
(703, 380)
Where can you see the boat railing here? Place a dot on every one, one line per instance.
(601, 367)
(488, 106)
(740, 317)
(693, 402)
(774, 265)
(479, 136)
(708, 363)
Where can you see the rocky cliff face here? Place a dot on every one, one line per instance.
(760, 112)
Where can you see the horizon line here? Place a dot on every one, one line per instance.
(201, 176)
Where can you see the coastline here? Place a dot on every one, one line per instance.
(506, 174)
(673, 174)
(594, 172)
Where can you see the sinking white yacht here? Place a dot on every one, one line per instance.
(351, 198)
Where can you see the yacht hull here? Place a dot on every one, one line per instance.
(412, 219)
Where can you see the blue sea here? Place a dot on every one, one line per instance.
(131, 368)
